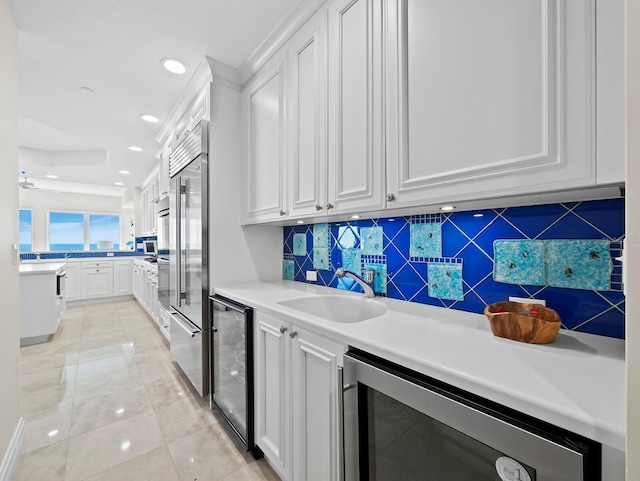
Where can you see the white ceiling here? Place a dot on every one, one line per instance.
(114, 47)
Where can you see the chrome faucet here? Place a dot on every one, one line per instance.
(368, 290)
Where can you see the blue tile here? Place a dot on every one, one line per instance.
(578, 264)
(453, 241)
(409, 280)
(571, 227)
(379, 277)
(606, 215)
(348, 237)
(321, 258)
(352, 260)
(371, 241)
(477, 265)
(321, 235)
(532, 220)
(518, 262)
(445, 281)
(500, 229)
(300, 244)
(426, 240)
(472, 222)
(288, 267)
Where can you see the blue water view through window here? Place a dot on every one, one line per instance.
(66, 231)
(26, 230)
(72, 231)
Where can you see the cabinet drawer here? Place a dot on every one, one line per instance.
(97, 264)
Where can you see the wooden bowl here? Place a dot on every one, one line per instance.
(531, 323)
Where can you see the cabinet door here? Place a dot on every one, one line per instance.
(97, 283)
(307, 166)
(489, 98)
(356, 168)
(315, 407)
(264, 118)
(72, 286)
(135, 283)
(272, 392)
(122, 278)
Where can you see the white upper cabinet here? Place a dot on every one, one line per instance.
(356, 134)
(610, 26)
(489, 98)
(264, 119)
(307, 160)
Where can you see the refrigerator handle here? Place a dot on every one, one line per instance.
(182, 202)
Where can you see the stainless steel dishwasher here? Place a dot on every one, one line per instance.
(232, 368)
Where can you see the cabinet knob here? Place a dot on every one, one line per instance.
(293, 334)
(391, 197)
(329, 206)
(319, 207)
(283, 329)
(282, 213)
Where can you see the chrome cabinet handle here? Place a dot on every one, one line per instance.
(391, 197)
(329, 206)
(293, 334)
(283, 329)
(282, 212)
(319, 207)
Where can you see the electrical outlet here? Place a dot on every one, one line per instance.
(524, 300)
(109, 254)
(312, 276)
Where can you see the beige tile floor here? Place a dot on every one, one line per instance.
(103, 402)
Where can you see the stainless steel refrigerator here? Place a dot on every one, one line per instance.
(188, 257)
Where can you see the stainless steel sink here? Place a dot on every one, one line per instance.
(337, 308)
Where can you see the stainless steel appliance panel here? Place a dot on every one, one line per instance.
(188, 240)
(163, 253)
(191, 238)
(186, 348)
(232, 366)
(399, 427)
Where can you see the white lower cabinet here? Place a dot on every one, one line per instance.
(73, 282)
(297, 400)
(144, 280)
(97, 280)
(122, 279)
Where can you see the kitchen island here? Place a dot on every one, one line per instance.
(42, 301)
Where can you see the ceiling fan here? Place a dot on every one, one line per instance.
(26, 185)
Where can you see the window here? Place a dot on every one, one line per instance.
(26, 230)
(78, 231)
(104, 231)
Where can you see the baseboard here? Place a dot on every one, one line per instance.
(10, 461)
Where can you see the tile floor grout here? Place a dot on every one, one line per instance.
(102, 401)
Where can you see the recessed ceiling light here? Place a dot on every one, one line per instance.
(51, 176)
(355, 216)
(86, 90)
(125, 172)
(119, 184)
(149, 118)
(125, 445)
(447, 207)
(173, 66)
(300, 222)
(135, 148)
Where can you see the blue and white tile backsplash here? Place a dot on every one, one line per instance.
(563, 253)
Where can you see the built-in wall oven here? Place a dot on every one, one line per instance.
(400, 425)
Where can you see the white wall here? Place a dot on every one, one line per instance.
(632, 242)
(42, 202)
(236, 253)
(10, 297)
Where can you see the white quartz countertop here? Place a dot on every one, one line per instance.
(41, 268)
(577, 382)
